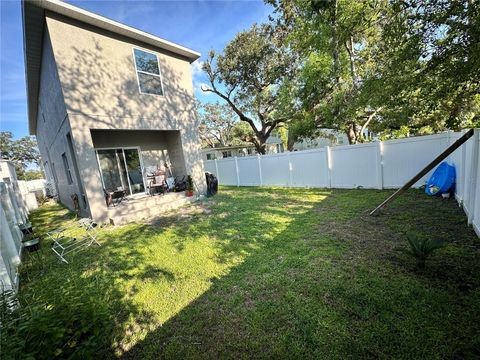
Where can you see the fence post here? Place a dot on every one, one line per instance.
(260, 169)
(473, 181)
(379, 161)
(236, 170)
(329, 166)
(461, 197)
(290, 169)
(216, 170)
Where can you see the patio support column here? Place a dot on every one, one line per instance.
(89, 170)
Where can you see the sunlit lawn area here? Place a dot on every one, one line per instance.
(263, 273)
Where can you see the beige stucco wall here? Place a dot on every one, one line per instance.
(52, 129)
(97, 75)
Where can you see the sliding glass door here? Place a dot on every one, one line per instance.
(121, 169)
(134, 170)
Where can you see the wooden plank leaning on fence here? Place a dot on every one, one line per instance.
(426, 169)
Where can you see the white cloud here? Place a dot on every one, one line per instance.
(197, 69)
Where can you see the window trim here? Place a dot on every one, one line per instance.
(147, 73)
(68, 172)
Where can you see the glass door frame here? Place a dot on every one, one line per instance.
(130, 194)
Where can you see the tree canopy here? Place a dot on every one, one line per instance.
(383, 64)
(22, 152)
(252, 76)
(220, 126)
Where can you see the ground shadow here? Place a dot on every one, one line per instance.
(325, 285)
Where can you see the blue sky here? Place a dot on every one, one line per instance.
(199, 25)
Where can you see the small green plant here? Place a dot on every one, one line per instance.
(421, 248)
(189, 183)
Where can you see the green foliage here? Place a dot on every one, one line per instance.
(421, 248)
(31, 175)
(22, 152)
(337, 41)
(217, 124)
(70, 324)
(385, 65)
(252, 75)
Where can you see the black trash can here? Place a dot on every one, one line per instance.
(212, 184)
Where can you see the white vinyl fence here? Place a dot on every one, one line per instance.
(13, 211)
(377, 165)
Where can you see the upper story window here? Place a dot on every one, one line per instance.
(148, 72)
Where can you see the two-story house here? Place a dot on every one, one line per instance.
(108, 103)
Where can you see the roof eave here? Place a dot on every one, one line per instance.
(35, 11)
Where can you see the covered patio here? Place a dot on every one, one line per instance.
(134, 166)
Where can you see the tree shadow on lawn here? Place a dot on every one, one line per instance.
(266, 273)
(85, 308)
(310, 276)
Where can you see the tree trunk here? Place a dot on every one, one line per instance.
(351, 133)
(261, 149)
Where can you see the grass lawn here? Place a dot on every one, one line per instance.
(264, 273)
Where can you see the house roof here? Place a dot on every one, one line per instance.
(33, 16)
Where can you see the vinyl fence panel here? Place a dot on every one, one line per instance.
(210, 167)
(352, 169)
(309, 168)
(275, 170)
(249, 171)
(227, 173)
(381, 165)
(404, 158)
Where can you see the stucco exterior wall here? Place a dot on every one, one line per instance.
(52, 129)
(97, 75)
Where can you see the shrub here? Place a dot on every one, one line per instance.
(421, 248)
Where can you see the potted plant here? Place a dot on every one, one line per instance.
(189, 188)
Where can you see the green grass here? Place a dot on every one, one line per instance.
(270, 273)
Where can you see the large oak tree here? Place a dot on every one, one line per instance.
(252, 76)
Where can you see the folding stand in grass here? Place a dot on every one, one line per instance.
(63, 244)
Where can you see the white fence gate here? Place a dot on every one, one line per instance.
(377, 165)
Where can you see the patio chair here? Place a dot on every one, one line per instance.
(63, 244)
(115, 197)
(157, 183)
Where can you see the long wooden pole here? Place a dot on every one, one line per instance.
(426, 169)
